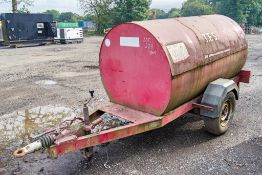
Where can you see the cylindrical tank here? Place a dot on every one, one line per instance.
(155, 66)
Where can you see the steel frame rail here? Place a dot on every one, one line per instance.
(139, 122)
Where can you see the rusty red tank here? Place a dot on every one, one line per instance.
(155, 66)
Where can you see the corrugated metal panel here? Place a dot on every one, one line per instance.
(86, 24)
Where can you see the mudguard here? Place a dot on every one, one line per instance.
(215, 94)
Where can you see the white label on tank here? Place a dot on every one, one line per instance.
(129, 41)
(178, 52)
(107, 42)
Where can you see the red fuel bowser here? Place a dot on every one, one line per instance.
(154, 72)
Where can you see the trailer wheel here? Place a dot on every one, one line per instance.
(220, 125)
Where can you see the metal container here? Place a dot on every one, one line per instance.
(28, 27)
(155, 66)
(86, 24)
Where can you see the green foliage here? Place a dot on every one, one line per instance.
(157, 14)
(69, 17)
(107, 13)
(66, 17)
(130, 10)
(88, 17)
(196, 8)
(100, 12)
(53, 12)
(242, 11)
(174, 13)
(234, 9)
(252, 12)
(161, 14)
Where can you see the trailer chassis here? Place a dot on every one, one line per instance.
(138, 122)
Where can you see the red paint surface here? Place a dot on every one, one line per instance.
(137, 77)
(149, 80)
(133, 128)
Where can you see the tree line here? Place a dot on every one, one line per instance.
(67, 16)
(242, 11)
(108, 13)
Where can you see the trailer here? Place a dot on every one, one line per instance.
(81, 133)
(154, 76)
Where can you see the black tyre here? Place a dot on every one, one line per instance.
(220, 125)
(87, 153)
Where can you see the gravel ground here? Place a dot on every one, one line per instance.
(182, 147)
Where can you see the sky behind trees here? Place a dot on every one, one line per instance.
(72, 5)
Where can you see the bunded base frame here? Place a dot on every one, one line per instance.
(139, 122)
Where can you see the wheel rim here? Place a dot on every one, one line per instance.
(225, 113)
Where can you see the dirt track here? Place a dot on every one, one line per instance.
(182, 147)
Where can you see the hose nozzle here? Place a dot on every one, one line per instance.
(32, 147)
(43, 142)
